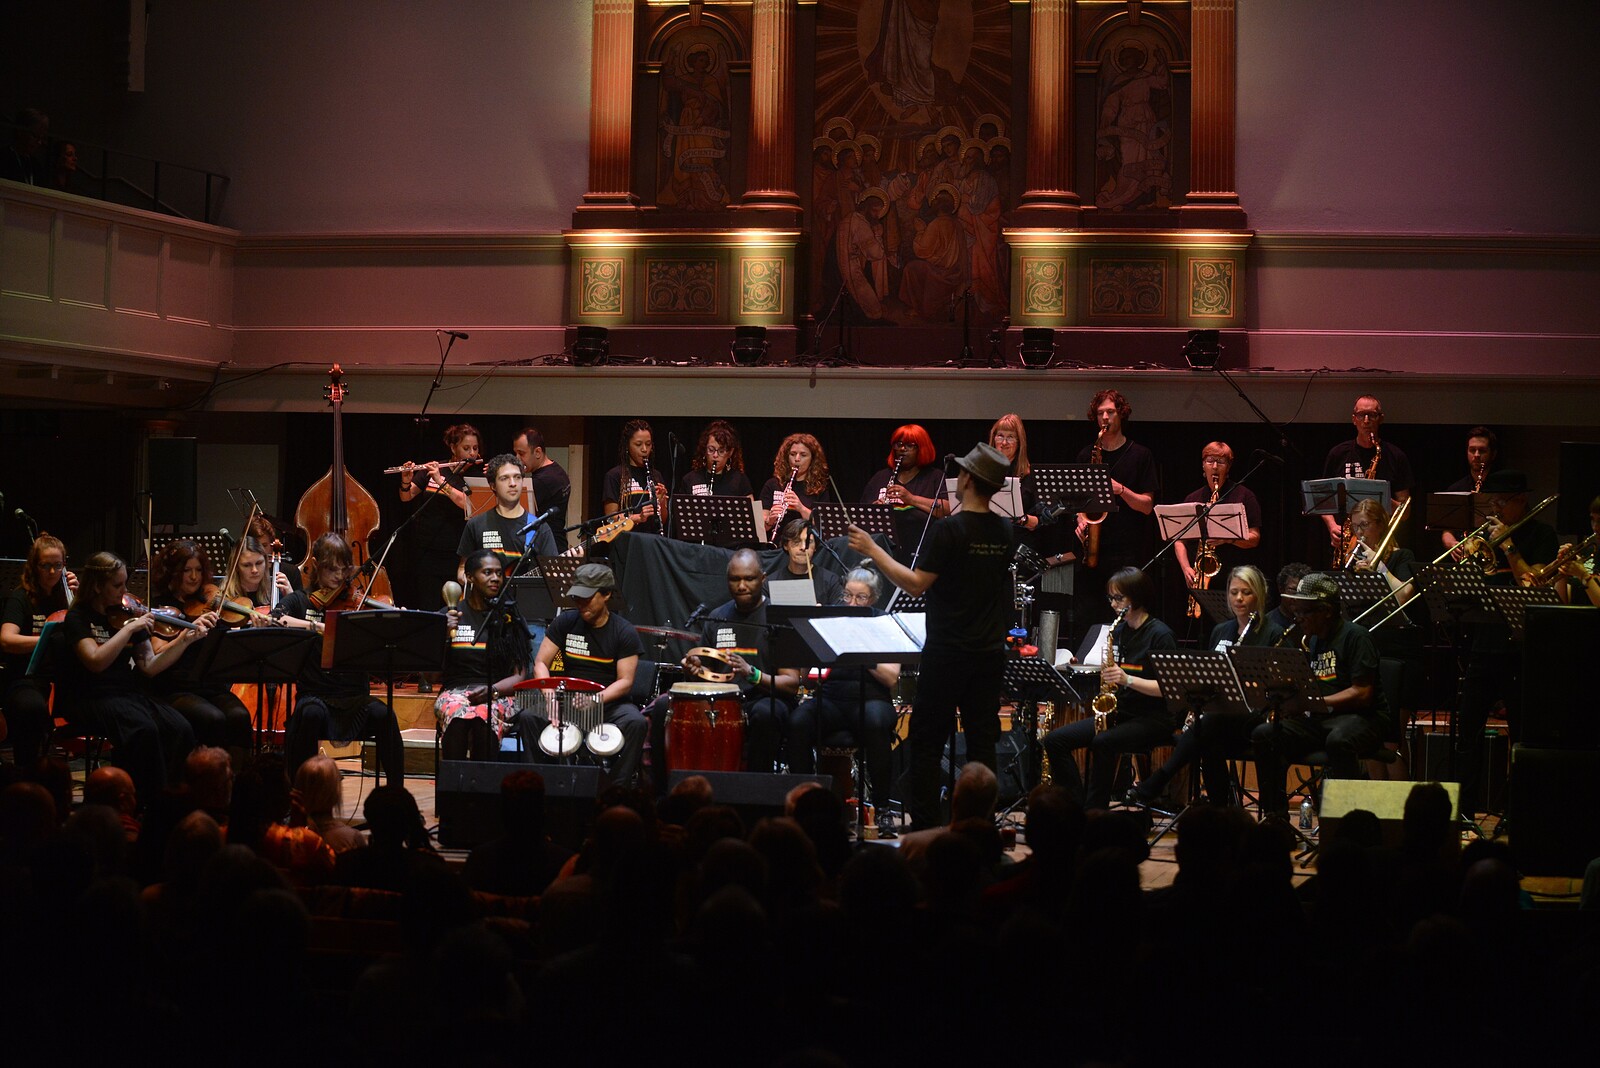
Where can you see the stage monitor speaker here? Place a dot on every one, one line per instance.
(754, 794)
(1431, 759)
(1385, 799)
(1557, 704)
(1552, 802)
(172, 476)
(468, 799)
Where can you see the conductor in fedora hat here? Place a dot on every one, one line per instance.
(964, 571)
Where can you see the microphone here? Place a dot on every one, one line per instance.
(696, 616)
(459, 335)
(24, 517)
(543, 517)
(674, 443)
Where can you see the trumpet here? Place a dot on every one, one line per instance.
(450, 465)
(1545, 574)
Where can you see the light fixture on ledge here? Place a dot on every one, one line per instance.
(1203, 349)
(592, 346)
(1038, 350)
(750, 346)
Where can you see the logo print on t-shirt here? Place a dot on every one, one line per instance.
(1326, 665)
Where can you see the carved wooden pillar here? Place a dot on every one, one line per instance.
(1212, 199)
(611, 108)
(1050, 114)
(770, 167)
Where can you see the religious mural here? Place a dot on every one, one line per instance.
(693, 125)
(1133, 127)
(911, 159)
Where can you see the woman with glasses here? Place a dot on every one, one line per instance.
(717, 469)
(1141, 721)
(1010, 439)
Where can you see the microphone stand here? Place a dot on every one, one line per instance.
(438, 380)
(944, 473)
(1283, 439)
(841, 354)
(967, 357)
(405, 523)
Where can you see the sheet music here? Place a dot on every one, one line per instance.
(791, 591)
(877, 634)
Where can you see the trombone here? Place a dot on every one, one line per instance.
(1490, 544)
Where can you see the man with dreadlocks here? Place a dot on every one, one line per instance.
(488, 654)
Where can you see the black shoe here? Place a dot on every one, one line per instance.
(888, 827)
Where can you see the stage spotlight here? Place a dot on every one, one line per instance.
(750, 346)
(1203, 349)
(1038, 349)
(592, 346)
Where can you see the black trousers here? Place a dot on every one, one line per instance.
(344, 719)
(149, 739)
(1346, 738)
(27, 709)
(1215, 738)
(950, 681)
(871, 725)
(1125, 736)
(218, 717)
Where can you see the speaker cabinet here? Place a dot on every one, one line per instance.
(1557, 704)
(1553, 829)
(468, 800)
(754, 794)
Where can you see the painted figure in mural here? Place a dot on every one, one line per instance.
(824, 213)
(932, 280)
(979, 212)
(1134, 129)
(694, 130)
(902, 61)
(861, 254)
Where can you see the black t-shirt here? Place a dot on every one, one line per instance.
(725, 484)
(1346, 658)
(771, 495)
(491, 530)
(969, 604)
(1349, 460)
(120, 677)
(1133, 649)
(1127, 534)
(1265, 633)
(592, 653)
(826, 586)
(437, 526)
(724, 630)
(1228, 556)
(29, 621)
(551, 487)
(466, 657)
(314, 681)
(632, 496)
(183, 676)
(908, 519)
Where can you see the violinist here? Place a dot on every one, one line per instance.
(500, 528)
(717, 469)
(180, 582)
(443, 506)
(799, 480)
(42, 594)
(109, 647)
(337, 705)
(483, 646)
(911, 485)
(631, 486)
(248, 583)
(271, 546)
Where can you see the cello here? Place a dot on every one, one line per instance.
(338, 503)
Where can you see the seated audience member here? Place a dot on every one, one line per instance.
(523, 860)
(317, 788)
(399, 847)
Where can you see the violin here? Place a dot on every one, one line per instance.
(351, 594)
(166, 624)
(232, 612)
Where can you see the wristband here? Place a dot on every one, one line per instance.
(755, 676)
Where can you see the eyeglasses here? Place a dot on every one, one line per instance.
(1366, 415)
(1116, 598)
(1002, 436)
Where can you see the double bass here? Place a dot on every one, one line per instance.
(338, 503)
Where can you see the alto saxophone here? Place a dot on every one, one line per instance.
(1206, 564)
(1104, 703)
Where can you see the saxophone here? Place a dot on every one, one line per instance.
(1091, 536)
(1104, 703)
(1347, 537)
(1206, 564)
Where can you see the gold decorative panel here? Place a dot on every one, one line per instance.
(1211, 288)
(761, 285)
(600, 291)
(680, 287)
(1128, 288)
(1044, 290)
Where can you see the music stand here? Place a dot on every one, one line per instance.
(258, 655)
(1215, 603)
(1007, 501)
(1077, 487)
(1336, 496)
(385, 641)
(1358, 590)
(1197, 520)
(902, 602)
(10, 573)
(559, 572)
(1454, 511)
(728, 522)
(1029, 680)
(1196, 683)
(831, 520)
(1513, 601)
(1462, 595)
(1278, 682)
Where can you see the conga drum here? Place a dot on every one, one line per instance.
(705, 727)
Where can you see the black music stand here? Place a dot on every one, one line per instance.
(838, 635)
(11, 573)
(259, 655)
(1029, 680)
(1461, 595)
(1456, 511)
(1278, 682)
(1358, 590)
(728, 522)
(831, 520)
(1197, 520)
(385, 641)
(901, 602)
(1336, 496)
(1193, 684)
(1512, 602)
(1215, 603)
(559, 572)
(1077, 487)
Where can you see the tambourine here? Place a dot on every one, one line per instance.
(709, 658)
